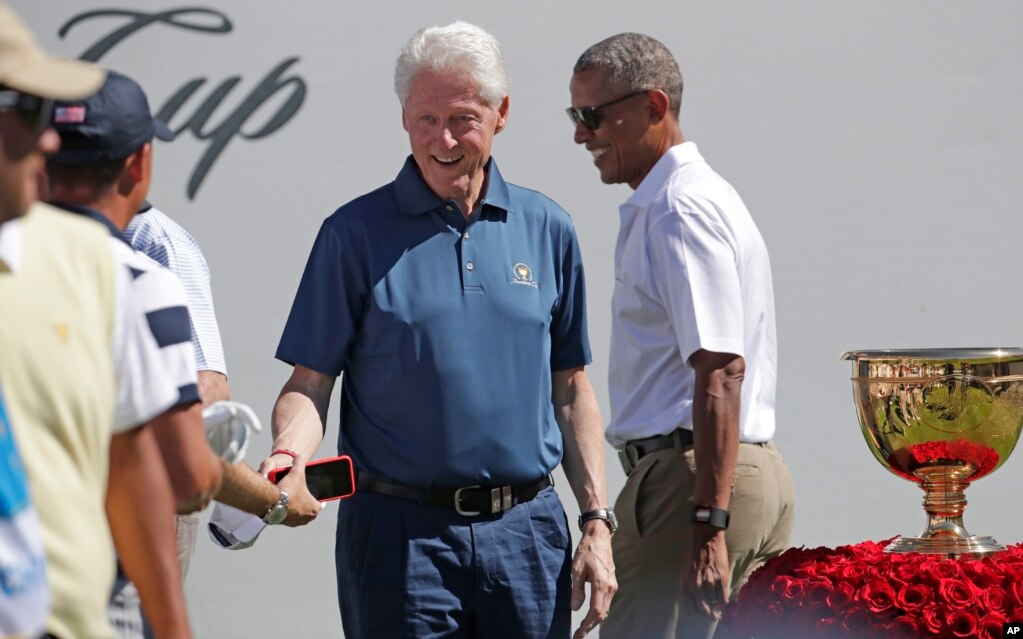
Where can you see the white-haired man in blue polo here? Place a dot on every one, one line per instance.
(453, 303)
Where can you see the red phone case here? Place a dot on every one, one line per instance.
(277, 474)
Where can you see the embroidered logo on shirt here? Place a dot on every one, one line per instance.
(522, 274)
(62, 331)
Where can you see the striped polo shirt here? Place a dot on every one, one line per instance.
(160, 297)
(165, 241)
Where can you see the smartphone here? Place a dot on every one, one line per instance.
(327, 479)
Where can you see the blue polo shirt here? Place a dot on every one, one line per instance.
(446, 329)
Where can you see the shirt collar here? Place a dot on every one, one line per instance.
(92, 214)
(415, 197)
(10, 246)
(657, 179)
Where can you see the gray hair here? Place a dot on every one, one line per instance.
(459, 47)
(635, 62)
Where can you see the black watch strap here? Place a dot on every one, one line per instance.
(716, 517)
(605, 514)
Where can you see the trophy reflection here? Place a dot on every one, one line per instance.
(941, 418)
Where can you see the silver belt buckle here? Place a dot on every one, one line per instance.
(458, 502)
(629, 458)
(500, 499)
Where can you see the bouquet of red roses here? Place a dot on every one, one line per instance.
(862, 592)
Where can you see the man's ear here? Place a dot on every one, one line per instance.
(502, 114)
(404, 123)
(659, 103)
(137, 167)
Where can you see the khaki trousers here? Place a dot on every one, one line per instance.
(654, 540)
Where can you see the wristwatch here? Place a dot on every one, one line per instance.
(607, 514)
(716, 517)
(278, 511)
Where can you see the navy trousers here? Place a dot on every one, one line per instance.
(410, 570)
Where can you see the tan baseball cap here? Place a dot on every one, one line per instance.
(27, 68)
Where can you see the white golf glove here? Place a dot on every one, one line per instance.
(229, 425)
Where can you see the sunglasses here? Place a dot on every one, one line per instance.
(590, 116)
(34, 111)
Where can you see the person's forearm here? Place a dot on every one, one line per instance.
(213, 387)
(716, 404)
(578, 415)
(140, 509)
(245, 489)
(193, 468)
(300, 414)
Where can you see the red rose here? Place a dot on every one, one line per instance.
(878, 595)
(906, 572)
(789, 588)
(984, 573)
(993, 599)
(957, 593)
(841, 597)
(852, 572)
(991, 626)
(857, 622)
(913, 597)
(928, 574)
(947, 569)
(1014, 595)
(906, 626)
(860, 591)
(963, 623)
(933, 617)
(817, 592)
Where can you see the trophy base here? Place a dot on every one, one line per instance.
(951, 547)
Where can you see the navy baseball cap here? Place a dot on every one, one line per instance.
(109, 125)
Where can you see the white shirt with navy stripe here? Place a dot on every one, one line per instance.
(165, 241)
(161, 304)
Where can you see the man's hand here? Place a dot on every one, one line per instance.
(302, 506)
(593, 563)
(708, 580)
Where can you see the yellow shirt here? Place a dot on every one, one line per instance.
(57, 314)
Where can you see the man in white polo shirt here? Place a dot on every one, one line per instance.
(693, 357)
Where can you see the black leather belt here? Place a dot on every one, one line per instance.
(636, 449)
(468, 501)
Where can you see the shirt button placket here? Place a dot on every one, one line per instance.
(469, 262)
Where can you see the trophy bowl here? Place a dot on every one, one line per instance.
(941, 418)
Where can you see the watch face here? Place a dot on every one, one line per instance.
(276, 515)
(612, 520)
(278, 512)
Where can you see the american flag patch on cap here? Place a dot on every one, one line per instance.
(69, 115)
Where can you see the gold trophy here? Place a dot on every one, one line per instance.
(941, 418)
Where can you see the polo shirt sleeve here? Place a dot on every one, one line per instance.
(144, 390)
(570, 345)
(693, 265)
(328, 305)
(166, 309)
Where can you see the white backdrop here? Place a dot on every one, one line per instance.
(878, 144)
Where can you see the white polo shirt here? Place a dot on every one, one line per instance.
(691, 273)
